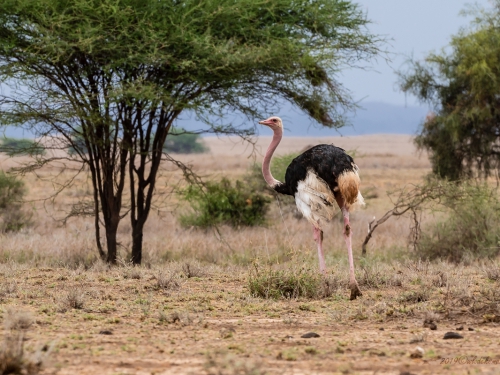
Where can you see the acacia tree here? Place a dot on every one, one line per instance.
(462, 83)
(117, 75)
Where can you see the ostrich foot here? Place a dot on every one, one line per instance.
(355, 291)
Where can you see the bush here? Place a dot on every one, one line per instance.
(471, 228)
(13, 147)
(12, 217)
(223, 202)
(180, 142)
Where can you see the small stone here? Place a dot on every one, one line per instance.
(288, 337)
(381, 329)
(471, 329)
(417, 353)
(460, 328)
(105, 332)
(310, 335)
(452, 335)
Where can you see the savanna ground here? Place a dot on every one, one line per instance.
(189, 310)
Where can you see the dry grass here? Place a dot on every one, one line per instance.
(190, 308)
(167, 280)
(50, 243)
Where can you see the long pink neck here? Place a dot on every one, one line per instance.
(266, 165)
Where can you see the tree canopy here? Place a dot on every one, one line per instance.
(462, 82)
(118, 74)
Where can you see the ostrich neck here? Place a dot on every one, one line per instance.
(266, 165)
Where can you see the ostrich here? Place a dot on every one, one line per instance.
(317, 179)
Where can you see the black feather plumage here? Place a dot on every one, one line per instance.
(327, 161)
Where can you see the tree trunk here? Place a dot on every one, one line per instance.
(137, 234)
(111, 242)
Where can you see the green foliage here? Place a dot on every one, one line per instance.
(178, 141)
(293, 281)
(471, 228)
(223, 202)
(12, 217)
(463, 84)
(14, 147)
(193, 53)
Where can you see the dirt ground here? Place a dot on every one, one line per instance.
(210, 325)
(193, 316)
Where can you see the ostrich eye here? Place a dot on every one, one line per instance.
(274, 120)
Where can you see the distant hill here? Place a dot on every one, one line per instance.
(371, 118)
(382, 118)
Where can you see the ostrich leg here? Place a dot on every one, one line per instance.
(318, 237)
(353, 284)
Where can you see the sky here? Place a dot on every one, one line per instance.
(414, 28)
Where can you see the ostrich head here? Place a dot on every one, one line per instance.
(273, 122)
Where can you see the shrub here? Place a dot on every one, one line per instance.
(223, 202)
(12, 217)
(178, 141)
(14, 146)
(471, 228)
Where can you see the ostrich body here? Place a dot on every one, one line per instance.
(319, 178)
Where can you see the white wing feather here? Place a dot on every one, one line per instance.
(315, 200)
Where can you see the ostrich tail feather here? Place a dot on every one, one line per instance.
(348, 183)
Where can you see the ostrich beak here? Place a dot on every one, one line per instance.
(265, 122)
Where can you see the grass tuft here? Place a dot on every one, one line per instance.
(13, 359)
(73, 299)
(492, 272)
(229, 364)
(17, 319)
(192, 269)
(415, 296)
(9, 287)
(167, 281)
(289, 283)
